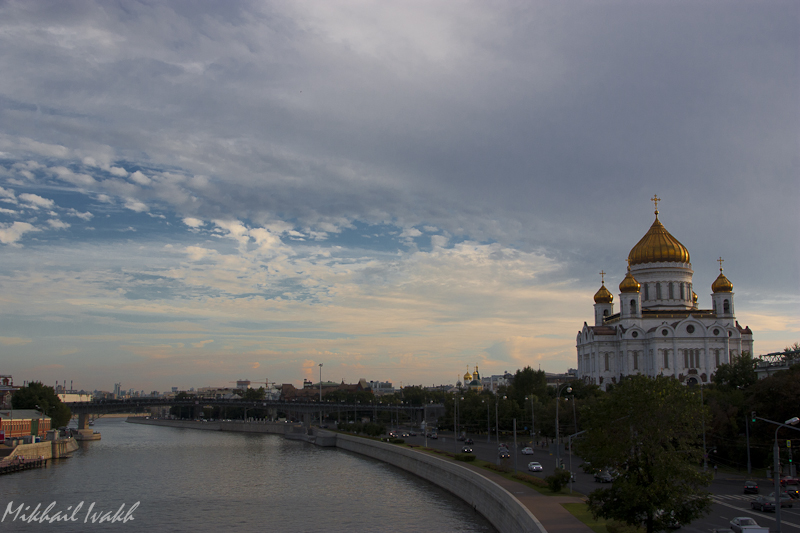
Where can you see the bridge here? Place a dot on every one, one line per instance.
(768, 364)
(304, 410)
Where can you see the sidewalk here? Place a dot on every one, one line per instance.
(547, 509)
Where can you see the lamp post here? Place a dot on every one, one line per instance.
(488, 427)
(558, 438)
(497, 419)
(320, 395)
(777, 463)
(533, 427)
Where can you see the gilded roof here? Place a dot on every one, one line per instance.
(658, 246)
(722, 284)
(603, 296)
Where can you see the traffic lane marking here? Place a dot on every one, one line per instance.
(759, 515)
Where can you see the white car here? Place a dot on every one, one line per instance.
(527, 450)
(745, 524)
(535, 467)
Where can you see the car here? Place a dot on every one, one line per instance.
(405, 434)
(786, 500)
(603, 476)
(527, 450)
(412, 433)
(763, 504)
(469, 441)
(791, 486)
(434, 436)
(533, 466)
(750, 487)
(786, 481)
(744, 524)
(461, 437)
(466, 449)
(504, 454)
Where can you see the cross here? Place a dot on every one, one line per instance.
(720, 261)
(602, 277)
(655, 199)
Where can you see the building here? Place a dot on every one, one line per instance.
(659, 329)
(7, 389)
(16, 423)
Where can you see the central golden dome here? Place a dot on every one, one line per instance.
(658, 246)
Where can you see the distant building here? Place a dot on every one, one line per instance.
(16, 423)
(7, 389)
(659, 330)
(494, 382)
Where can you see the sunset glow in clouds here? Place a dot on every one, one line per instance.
(196, 192)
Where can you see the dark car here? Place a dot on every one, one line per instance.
(504, 455)
(466, 449)
(603, 476)
(750, 487)
(786, 500)
(469, 441)
(762, 503)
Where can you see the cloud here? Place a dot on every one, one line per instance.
(255, 366)
(135, 205)
(202, 344)
(35, 201)
(121, 172)
(193, 222)
(11, 233)
(140, 178)
(8, 195)
(14, 341)
(83, 216)
(81, 180)
(58, 224)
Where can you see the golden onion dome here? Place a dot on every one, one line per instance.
(603, 296)
(658, 246)
(722, 284)
(467, 377)
(694, 298)
(629, 284)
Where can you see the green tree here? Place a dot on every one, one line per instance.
(649, 431)
(44, 399)
(255, 394)
(741, 373)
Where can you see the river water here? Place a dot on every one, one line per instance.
(208, 481)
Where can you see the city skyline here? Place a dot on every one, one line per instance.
(199, 192)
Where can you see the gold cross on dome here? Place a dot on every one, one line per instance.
(655, 199)
(720, 261)
(602, 277)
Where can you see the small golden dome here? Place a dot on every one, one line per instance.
(694, 298)
(658, 246)
(721, 284)
(467, 377)
(629, 284)
(603, 296)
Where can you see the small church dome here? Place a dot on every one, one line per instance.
(603, 296)
(722, 284)
(658, 246)
(629, 284)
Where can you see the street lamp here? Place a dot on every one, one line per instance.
(558, 438)
(777, 463)
(320, 395)
(533, 430)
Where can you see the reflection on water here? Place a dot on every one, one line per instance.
(189, 480)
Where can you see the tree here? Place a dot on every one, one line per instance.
(741, 373)
(44, 399)
(649, 431)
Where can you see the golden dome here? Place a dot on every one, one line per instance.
(694, 298)
(467, 377)
(722, 284)
(629, 284)
(603, 296)
(658, 246)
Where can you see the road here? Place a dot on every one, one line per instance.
(727, 494)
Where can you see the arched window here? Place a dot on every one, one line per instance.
(658, 291)
(646, 291)
(605, 312)
(683, 293)
(671, 293)
(726, 307)
(666, 358)
(714, 306)
(633, 307)
(636, 360)
(606, 361)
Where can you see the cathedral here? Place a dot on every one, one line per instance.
(659, 330)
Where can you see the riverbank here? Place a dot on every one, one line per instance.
(509, 506)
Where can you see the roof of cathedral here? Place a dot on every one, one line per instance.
(658, 246)
(603, 296)
(722, 284)
(603, 330)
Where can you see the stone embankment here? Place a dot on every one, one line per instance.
(500, 507)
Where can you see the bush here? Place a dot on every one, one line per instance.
(466, 457)
(557, 481)
(397, 441)
(530, 479)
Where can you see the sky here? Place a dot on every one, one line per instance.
(197, 192)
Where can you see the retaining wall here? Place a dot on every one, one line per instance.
(499, 506)
(47, 449)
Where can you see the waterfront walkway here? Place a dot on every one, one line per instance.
(547, 509)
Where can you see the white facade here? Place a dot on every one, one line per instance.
(659, 329)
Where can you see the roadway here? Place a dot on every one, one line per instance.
(727, 490)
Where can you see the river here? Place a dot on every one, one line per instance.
(208, 481)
